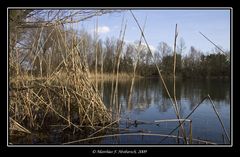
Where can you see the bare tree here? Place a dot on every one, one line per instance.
(181, 46)
(163, 49)
(58, 17)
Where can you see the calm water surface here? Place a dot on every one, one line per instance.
(149, 103)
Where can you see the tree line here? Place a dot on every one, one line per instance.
(37, 49)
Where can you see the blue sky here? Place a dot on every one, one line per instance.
(160, 26)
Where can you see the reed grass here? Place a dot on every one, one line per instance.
(69, 89)
(116, 121)
(190, 133)
(15, 126)
(161, 77)
(219, 118)
(33, 98)
(185, 118)
(135, 67)
(135, 134)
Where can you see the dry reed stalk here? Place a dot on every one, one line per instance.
(174, 69)
(37, 52)
(65, 87)
(87, 114)
(164, 84)
(190, 133)
(68, 106)
(55, 111)
(14, 125)
(95, 89)
(174, 82)
(107, 126)
(209, 95)
(85, 63)
(96, 53)
(135, 66)
(134, 134)
(216, 112)
(186, 117)
(102, 90)
(212, 42)
(80, 113)
(114, 66)
(172, 120)
(119, 50)
(50, 104)
(29, 109)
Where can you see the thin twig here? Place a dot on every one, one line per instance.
(134, 134)
(185, 118)
(212, 42)
(174, 70)
(19, 127)
(104, 127)
(164, 84)
(216, 112)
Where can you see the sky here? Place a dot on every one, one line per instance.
(160, 26)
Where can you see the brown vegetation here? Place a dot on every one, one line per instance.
(53, 87)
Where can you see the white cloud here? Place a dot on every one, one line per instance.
(103, 29)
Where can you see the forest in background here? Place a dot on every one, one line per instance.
(99, 55)
(50, 63)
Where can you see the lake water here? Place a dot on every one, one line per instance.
(149, 103)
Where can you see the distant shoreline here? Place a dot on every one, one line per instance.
(126, 76)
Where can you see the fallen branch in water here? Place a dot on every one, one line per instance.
(135, 134)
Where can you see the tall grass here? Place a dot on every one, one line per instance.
(37, 100)
(161, 77)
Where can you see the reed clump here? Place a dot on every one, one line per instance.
(63, 96)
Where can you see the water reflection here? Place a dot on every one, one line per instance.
(151, 91)
(150, 102)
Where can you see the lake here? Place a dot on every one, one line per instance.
(150, 103)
